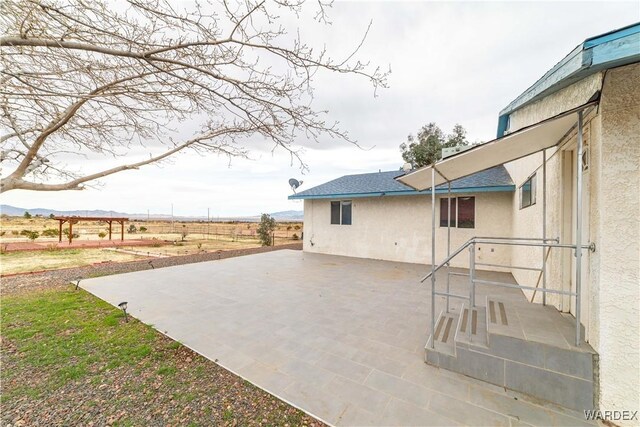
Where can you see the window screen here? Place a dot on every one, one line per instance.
(466, 212)
(346, 212)
(444, 212)
(335, 212)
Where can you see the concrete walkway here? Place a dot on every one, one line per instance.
(340, 338)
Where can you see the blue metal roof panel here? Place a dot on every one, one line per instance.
(383, 183)
(613, 49)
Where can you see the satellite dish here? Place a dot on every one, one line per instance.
(294, 183)
(406, 167)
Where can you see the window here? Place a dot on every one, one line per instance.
(335, 212)
(528, 192)
(466, 212)
(341, 212)
(444, 212)
(463, 212)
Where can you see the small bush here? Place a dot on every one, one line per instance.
(102, 234)
(27, 215)
(132, 229)
(266, 229)
(295, 236)
(66, 233)
(2, 233)
(32, 235)
(143, 229)
(50, 232)
(297, 227)
(15, 232)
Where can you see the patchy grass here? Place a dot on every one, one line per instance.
(25, 261)
(69, 358)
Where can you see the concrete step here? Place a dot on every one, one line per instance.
(524, 348)
(446, 326)
(472, 329)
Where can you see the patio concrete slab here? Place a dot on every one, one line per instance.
(340, 338)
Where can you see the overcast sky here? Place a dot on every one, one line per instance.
(451, 63)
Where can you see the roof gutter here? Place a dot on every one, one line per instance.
(492, 189)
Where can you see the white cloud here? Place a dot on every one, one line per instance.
(451, 62)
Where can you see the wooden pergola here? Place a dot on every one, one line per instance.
(75, 219)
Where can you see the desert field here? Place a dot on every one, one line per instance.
(164, 239)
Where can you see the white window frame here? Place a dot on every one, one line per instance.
(340, 216)
(455, 212)
(533, 189)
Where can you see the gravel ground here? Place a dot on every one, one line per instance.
(56, 278)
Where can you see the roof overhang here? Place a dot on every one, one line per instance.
(461, 190)
(522, 143)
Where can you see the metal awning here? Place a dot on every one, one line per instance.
(522, 143)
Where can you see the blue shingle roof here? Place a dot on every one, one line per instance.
(384, 184)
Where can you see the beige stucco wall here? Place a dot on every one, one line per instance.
(616, 229)
(613, 276)
(565, 99)
(398, 228)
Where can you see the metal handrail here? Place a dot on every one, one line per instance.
(484, 240)
(511, 241)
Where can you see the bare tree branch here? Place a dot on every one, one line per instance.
(92, 77)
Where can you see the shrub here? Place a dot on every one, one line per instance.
(66, 233)
(50, 232)
(295, 236)
(297, 227)
(51, 216)
(143, 229)
(132, 229)
(265, 229)
(102, 234)
(32, 235)
(27, 215)
(15, 232)
(184, 233)
(2, 233)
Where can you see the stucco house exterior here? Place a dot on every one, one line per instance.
(563, 176)
(375, 216)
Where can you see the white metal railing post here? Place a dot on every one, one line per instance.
(544, 224)
(578, 225)
(433, 256)
(448, 238)
(472, 274)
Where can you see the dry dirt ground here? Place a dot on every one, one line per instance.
(69, 358)
(55, 278)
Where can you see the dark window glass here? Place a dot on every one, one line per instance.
(335, 212)
(444, 211)
(528, 193)
(346, 212)
(466, 212)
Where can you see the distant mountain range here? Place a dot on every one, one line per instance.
(16, 211)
